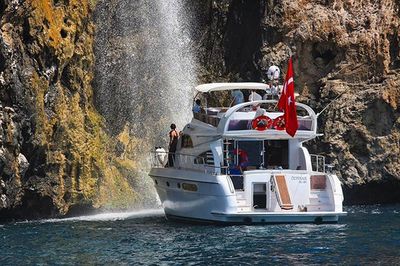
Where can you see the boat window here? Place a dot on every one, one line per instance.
(258, 154)
(318, 182)
(249, 155)
(189, 187)
(305, 124)
(276, 154)
(207, 118)
(186, 141)
(205, 158)
(235, 124)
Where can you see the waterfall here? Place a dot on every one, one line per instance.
(145, 69)
(178, 64)
(144, 62)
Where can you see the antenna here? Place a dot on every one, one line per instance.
(330, 104)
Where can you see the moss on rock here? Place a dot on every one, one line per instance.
(49, 61)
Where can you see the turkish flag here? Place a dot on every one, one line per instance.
(287, 102)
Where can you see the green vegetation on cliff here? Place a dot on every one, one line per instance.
(71, 159)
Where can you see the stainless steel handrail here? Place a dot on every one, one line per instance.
(184, 161)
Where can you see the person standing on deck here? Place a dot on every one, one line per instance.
(237, 97)
(173, 142)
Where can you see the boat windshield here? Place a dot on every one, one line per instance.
(242, 118)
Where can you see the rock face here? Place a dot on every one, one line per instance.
(344, 51)
(55, 155)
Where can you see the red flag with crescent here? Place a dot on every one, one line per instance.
(287, 102)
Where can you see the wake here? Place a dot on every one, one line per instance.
(109, 216)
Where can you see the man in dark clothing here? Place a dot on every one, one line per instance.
(173, 142)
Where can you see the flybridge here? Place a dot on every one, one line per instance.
(239, 120)
(252, 116)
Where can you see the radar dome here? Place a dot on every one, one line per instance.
(273, 73)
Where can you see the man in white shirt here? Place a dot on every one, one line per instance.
(254, 96)
(259, 111)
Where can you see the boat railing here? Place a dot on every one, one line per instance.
(212, 115)
(318, 163)
(210, 118)
(159, 159)
(236, 120)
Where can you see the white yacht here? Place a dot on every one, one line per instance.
(227, 171)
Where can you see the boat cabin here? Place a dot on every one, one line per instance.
(224, 137)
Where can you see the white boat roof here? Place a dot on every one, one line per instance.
(231, 86)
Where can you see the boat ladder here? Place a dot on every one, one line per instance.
(282, 192)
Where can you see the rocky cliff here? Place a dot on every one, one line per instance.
(58, 154)
(55, 153)
(345, 53)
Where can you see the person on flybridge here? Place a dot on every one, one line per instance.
(254, 96)
(197, 106)
(237, 97)
(259, 111)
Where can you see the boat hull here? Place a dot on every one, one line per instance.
(214, 201)
(261, 218)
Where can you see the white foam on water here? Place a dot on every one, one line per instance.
(376, 211)
(110, 216)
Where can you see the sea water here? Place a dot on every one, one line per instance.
(368, 235)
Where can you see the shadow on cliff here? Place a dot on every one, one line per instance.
(33, 206)
(384, 192)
